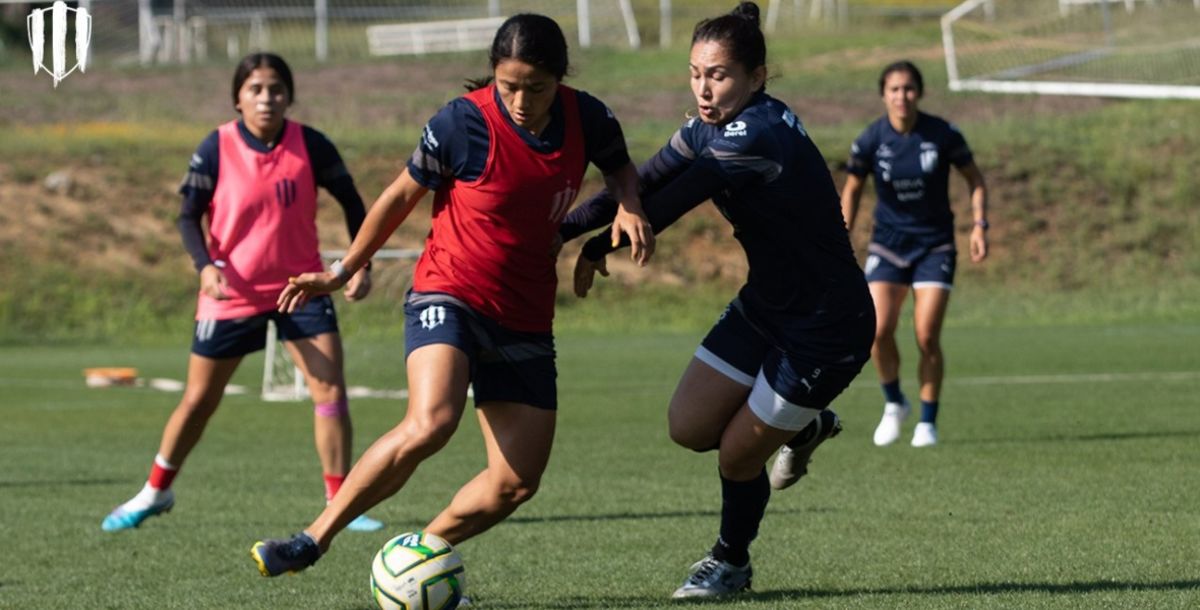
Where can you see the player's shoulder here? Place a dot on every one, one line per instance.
(207, 152)
(314, 137)
(936, 125)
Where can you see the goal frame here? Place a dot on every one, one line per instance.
(992, 83)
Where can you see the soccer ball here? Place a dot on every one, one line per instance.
(417, 571)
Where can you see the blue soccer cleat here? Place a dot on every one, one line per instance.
(122, 518)
(275, 557)
(364, 523)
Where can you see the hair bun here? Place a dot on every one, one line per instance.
(748, 11)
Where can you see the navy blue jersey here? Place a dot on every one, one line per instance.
(912, 175)
(200, 182)
(454, 144)
(769, 180)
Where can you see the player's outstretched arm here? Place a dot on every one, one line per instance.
(630, 218)
(385, 215)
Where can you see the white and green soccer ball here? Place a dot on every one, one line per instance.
(417, 571)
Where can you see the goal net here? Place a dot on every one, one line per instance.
(1114, 48)
(282, 381)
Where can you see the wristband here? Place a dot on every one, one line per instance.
(983, 224)
(340, 272)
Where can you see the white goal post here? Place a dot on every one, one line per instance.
(1107, 48)
(282, 380)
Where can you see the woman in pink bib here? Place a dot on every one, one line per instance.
(505, 163)
(256, 180)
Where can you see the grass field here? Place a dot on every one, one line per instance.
(1065, 479)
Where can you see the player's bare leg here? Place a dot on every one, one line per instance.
(320, 359)
(929, 312)
(518, 438)
(889, 300)
(206, 382)
(438, 376)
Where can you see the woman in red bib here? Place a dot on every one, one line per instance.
(256, 180)
(505, 162)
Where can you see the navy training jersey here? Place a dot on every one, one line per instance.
(785, 210)
(455, 142)
(912, 175)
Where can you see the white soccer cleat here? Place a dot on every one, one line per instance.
(925, 435)
(792, 462)
(711, 577)
(888, 430)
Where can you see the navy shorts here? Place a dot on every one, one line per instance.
(240, 336)
(920, 268)
(787, 387)
(506, 365)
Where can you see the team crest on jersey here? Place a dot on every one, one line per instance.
(285, 192)
(929, 160)
(736, 128)
(883, 152)
(562, 201)
(433, 317)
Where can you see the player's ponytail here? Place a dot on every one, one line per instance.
(530, 38)
(739, 32)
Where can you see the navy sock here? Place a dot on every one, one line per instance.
(929, 411)
(743, 504)
(892, 393)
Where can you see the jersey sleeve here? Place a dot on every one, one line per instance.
(604, 141)
(197, 189)
(956, 149)
(744, 153)
(331, 174)
(862, 154)
(454, 145)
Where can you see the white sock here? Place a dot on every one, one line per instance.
(146, 498)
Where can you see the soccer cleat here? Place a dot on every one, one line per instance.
(363, 523)
(888, 430)
(792, 462)
(274, 557)
(123, 517)
(925, 435)
(711, 577)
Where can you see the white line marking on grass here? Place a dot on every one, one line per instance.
(1062, 378)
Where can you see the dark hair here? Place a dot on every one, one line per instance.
(533, 39)
(903, 66)
(254, 61)
(739, 31)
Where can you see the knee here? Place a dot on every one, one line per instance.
(689, 437)
(929, 344)
(425, 435)
(516, 491)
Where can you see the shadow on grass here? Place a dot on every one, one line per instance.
(61, 483)
(774, 597)
(1077, 438)
(631, 516)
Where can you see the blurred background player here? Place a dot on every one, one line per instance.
(256, 178)
(912, 244)
(505, 162)
(798, 331)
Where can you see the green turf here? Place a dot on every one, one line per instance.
(1065, 479)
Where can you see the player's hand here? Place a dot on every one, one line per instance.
(359, 286)
(979, 244)
(304, 287)
(633, 223)
(213, 283)
(585, 274)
